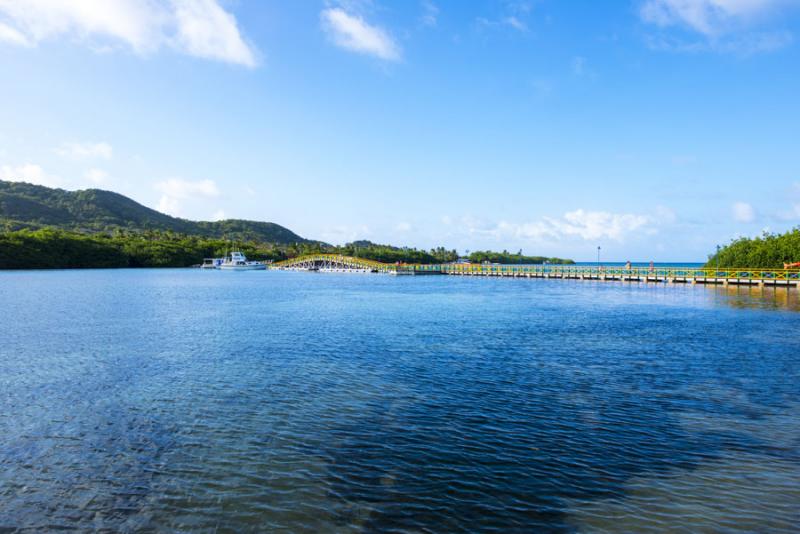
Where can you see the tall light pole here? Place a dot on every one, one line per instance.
(718, 257)
(598, 256)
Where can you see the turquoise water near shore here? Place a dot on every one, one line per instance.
(280, 401)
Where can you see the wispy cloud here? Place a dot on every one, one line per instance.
(33, 173)
(199, 28)
(85, 150)
(176, 190)
(514, 15)
(430, 14)
(352, 32)
(30, 173)
(578, 224)
(206, 30)
(722, 25)
(743, 212)
(96, 176)
(341, 234)
(710, 17)
(13, 36)
(510, 22)
(587, 225)
(793, 214)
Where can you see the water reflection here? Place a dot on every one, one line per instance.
(780, 298)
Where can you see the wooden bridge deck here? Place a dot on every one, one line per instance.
(672, 275)
(685, 275)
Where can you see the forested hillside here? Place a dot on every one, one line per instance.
(44, 228)
(30, 206)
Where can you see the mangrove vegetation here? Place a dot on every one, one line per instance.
(767, 251)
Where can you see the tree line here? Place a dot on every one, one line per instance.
(60, 249)
(507, 257)
(51, 248)
(767, 251)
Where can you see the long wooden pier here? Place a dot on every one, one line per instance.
(669, 275)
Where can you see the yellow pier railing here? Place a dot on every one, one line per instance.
(689, 275)
(634, 274)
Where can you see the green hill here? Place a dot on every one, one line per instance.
(27, 206)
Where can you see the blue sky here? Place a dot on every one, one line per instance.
(656, 129)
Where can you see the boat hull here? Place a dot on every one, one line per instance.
(242, 267)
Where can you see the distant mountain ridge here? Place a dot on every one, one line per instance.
(24, 205)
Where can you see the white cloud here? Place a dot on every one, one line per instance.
(196, 27)
(709, 17)
(345, 234)
(515, 23)
(178, 188)
(665, 215)
(403, 227)
(588, 225)
(746, 44)
(723, 24)
(218, 215)
(10, 35)
(206, 30)
(352, 32)
(515, 14)
(510, 21)
(86, 150)
(430, 14)
(175, 191)
(580, 224)
(97, 176)
(743, 212)
(30, 173)
(169, 205)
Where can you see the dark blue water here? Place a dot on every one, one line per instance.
(276, 401)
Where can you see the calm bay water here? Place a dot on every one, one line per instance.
(266, 401)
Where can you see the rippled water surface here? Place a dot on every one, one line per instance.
(185, 400)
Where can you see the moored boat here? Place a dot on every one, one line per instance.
(236, 261)
(211, 263)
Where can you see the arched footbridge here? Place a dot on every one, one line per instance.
(315, 262)
(676, 275)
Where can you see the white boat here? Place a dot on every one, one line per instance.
(236, 261)
(212, 263)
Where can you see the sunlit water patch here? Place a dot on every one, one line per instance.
(187, 400)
